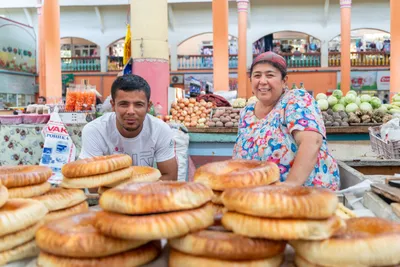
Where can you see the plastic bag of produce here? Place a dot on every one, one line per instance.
(181, 138)
(58, 147)
(390, 131)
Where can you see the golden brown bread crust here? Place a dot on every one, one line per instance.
(226, 246)
(281, 229)
(365, 241)
(29, 191)
(58, 214)
(301, 262)
(145, 198)
(217, 197)
(21, 252)
(140, 174)
(97, 180)
(18, 214)
(179, 259)
(13, 240)
(75, 236)
(282, 202)
(155, 226)
(3, 195)
(60, 198)
(19, 176)
(132, 258)
(237, 173)
(96, 165)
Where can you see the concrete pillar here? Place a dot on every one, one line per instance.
(324, 54)
(243, 6)
(174, 56)
(150, 51)
(49, 50)
(103, 58)
(345, 67)
(220, 10)
(394, 46)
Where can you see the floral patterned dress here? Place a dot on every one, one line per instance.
(271, 139)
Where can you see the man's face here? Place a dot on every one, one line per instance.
(40, 101)
(130, 109)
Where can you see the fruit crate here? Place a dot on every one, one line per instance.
(389, 150)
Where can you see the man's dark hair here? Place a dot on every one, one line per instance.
(43, 98)
(129, 83)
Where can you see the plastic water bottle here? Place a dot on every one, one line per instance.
(158, 109)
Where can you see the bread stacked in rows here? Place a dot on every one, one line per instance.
(128, 229)
(282, 212)
(222, 248)
(63, 202)
(154, 211)
(139, 174)
(223, 175)
(31, 182)
(365, 241)
(19, 221)
(97, 171)
(25, 181)
(75, 241)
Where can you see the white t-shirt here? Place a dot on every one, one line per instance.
(155, 142)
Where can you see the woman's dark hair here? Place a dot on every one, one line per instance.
(129, 83)
(281, 69)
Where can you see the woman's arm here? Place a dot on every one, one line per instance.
(309, 144)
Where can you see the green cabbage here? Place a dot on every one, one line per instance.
(396, 98)
(358, 101)
(338, 94)
(321, 96)
(323, 104)
(338, 107)
(351, 92)
(332, 100)
(343, 101)
(366, 107)
(352, 107)
(375, 102)
(350, 98)
(365, 98)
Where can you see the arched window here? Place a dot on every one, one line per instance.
(78, 47)
(300, 50)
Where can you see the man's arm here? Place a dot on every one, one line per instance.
(165, 154)
(168, 169)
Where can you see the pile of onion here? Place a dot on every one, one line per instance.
(190, 112)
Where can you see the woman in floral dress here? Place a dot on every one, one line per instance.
(286, 127)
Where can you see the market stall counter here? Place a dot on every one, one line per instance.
(22, 144)
(220, 141)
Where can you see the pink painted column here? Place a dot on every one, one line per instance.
(243, 6)
(345, 67)
(149, 44)
(394, 47)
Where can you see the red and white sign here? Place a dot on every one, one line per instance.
(383, 80)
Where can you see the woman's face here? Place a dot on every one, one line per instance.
(267, 83)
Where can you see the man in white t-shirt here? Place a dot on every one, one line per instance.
(130, 130)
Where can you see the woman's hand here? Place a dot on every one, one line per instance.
(309, 144)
